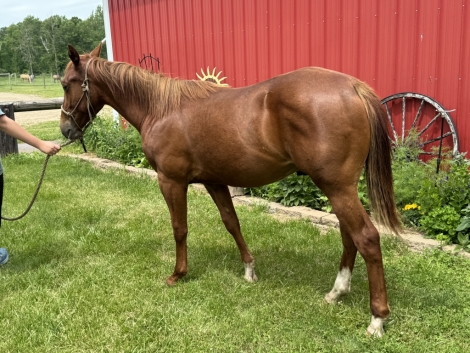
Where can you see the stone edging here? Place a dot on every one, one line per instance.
(415, 240)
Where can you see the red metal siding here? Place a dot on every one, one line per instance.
(394, 45)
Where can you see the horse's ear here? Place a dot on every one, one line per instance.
(96, 52)
(74, 56)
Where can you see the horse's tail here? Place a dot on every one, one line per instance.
(378, 163)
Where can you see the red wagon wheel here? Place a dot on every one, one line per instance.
(408, 110)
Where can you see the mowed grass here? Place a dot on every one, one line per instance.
(48, 130)
(89, 262)
(41, 86)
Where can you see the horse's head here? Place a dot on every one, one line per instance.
(81, 94)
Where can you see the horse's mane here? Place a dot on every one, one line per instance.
(159, 93)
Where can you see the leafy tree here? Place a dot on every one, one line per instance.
(51, 38)
(41, 46)
(28, 44)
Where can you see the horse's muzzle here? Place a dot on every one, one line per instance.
(70, 131)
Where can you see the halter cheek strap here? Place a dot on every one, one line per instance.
(86, 93)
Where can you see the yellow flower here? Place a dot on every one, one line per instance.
(412, 206)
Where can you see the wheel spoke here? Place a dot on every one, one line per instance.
(438, 138)
(403, 115)
(391, 122)
(418, 114)
(429, 124)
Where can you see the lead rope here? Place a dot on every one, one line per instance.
(37, 188)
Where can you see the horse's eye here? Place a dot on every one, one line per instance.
(64, 88)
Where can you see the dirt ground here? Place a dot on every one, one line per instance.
(30, 118)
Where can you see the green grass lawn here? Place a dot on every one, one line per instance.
(41, 86)
(49, 131)
(89, 262)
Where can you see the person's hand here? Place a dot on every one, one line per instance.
(49, 148)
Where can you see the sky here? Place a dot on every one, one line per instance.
(14, 11)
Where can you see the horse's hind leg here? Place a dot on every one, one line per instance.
(221, 196)
(342, 284)
(359, 233)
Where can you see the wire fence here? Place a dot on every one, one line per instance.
(14, 79)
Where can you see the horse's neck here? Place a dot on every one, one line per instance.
(129, 108)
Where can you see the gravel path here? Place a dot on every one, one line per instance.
(30, 118)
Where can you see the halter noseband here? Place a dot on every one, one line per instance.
(86, 92)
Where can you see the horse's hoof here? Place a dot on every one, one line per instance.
(250, 275)
(171, 281)
(252, 279)
(332, 297)
(376, 327)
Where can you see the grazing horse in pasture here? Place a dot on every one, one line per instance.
(325, 124)
(56, 78)
(25, 77)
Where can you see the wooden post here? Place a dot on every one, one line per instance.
(8, 144)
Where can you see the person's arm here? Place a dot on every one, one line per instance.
(12, 128)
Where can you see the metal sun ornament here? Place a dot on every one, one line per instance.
(212, 77)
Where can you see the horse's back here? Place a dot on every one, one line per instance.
(270, 129)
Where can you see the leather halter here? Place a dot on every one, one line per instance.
(86, 93)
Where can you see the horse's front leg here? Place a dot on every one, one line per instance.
(175, 195)
(221, 196)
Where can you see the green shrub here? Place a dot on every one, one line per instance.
(295, 190)
(442, 222)
(109, 140)
(300, 190)
(448, 187)
(408, 170)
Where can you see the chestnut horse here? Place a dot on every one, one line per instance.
(320, 122)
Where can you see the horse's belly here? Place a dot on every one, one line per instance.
(247, 173)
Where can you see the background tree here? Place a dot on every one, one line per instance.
(41, 46)
(51, 38)
(28, 44)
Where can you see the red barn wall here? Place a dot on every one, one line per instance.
(394, 45)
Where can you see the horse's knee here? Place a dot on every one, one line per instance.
(180, 233)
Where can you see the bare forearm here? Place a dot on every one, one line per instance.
(11, 128)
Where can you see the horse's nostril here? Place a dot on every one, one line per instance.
(67, 133)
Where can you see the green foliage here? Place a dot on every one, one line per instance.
(300, 190)
(448, 187)
(109, 140)
(295, 190)
(407, 169)
(444, 196)
(34, 46)
(465, 221)
(442, 221)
